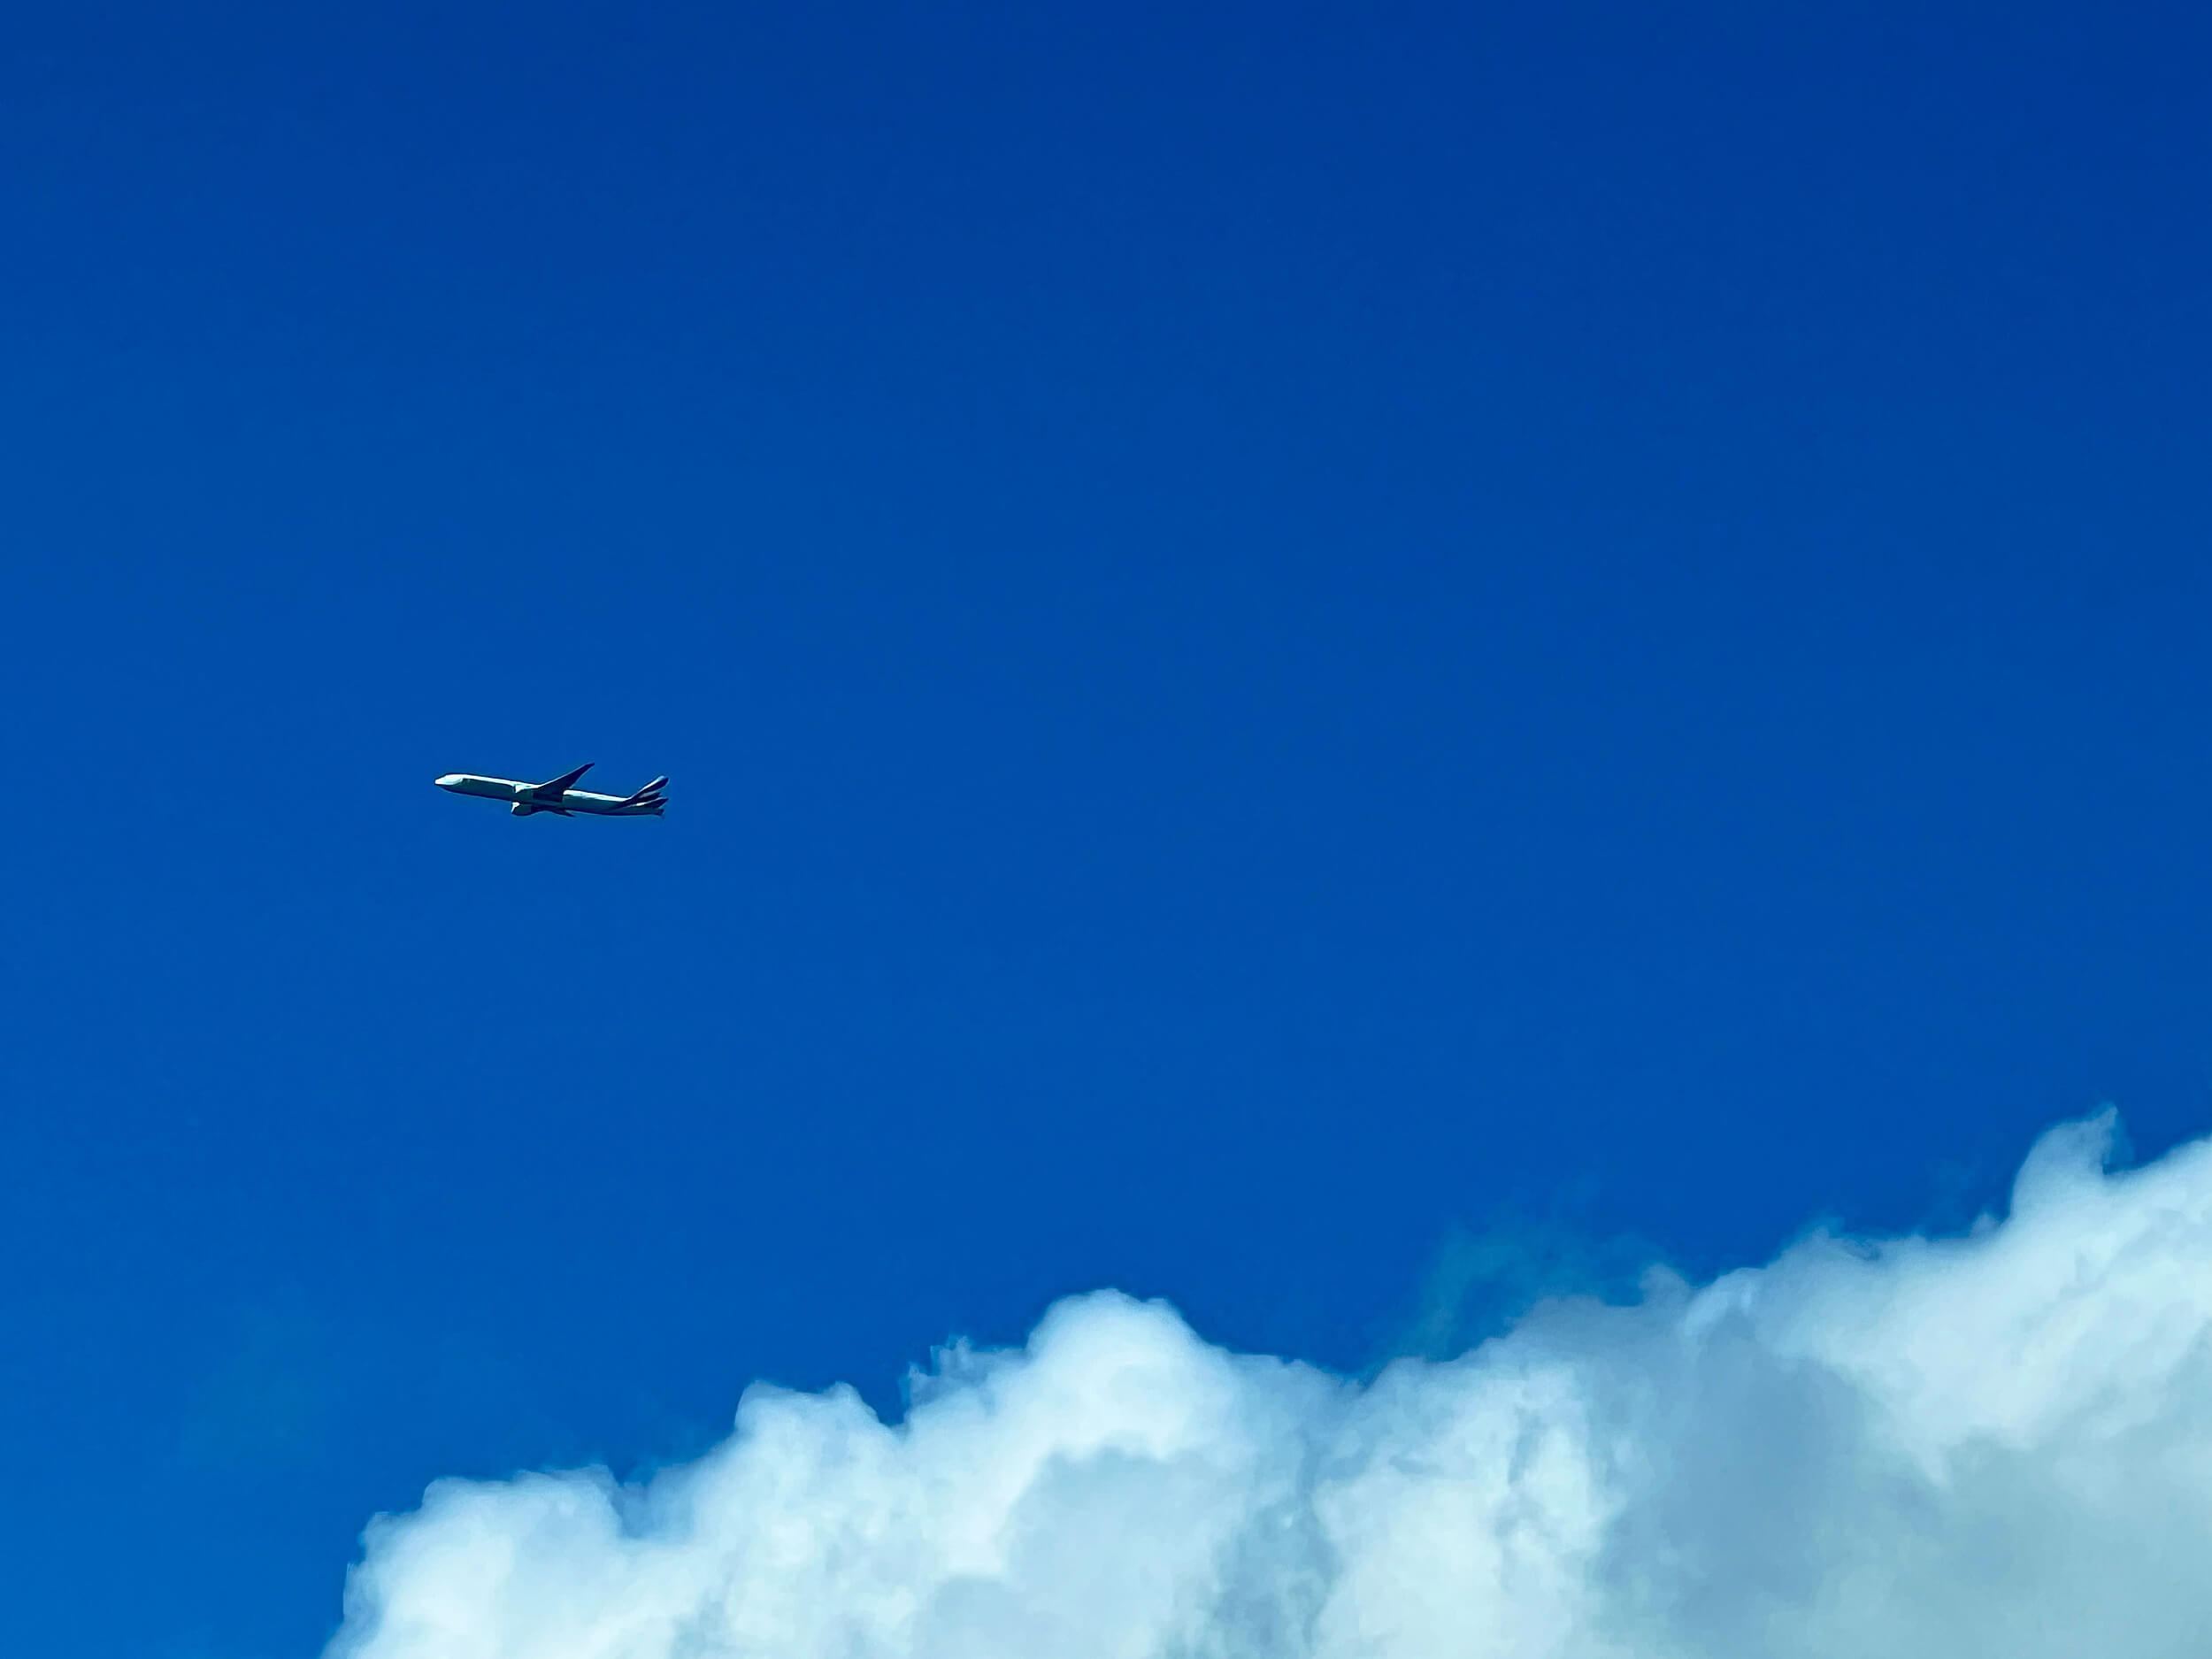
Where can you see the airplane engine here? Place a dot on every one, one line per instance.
(522, 809)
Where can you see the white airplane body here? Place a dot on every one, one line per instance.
(559, 796)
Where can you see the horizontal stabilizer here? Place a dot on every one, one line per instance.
(651, 791)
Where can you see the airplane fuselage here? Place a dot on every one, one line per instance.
(525, 798)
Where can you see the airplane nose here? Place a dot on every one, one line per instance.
(448, 780)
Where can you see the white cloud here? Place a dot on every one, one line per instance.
(1999, 1444)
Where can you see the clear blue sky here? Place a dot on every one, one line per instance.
(1278, 631)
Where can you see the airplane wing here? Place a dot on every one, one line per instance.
(560, 786)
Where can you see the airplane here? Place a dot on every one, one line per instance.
(559, 796)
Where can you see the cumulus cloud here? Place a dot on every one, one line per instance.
(1993, 1444)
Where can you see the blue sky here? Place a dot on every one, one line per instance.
(1278, 633)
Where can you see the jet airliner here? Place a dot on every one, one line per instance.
(560, 795)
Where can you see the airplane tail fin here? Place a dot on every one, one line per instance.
(650, 795)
